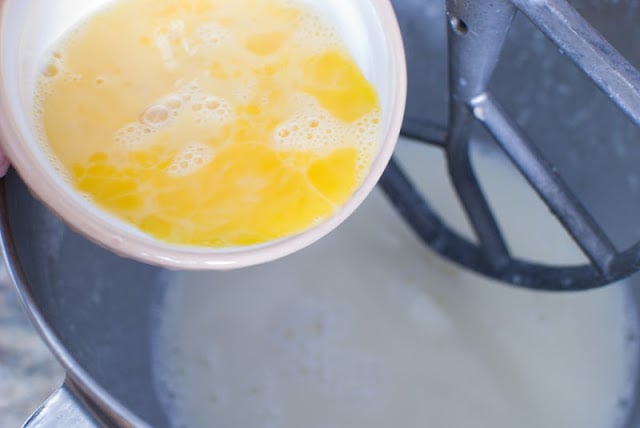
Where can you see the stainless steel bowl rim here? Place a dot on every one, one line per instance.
(75, 373)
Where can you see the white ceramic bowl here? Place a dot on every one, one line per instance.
(28, 28)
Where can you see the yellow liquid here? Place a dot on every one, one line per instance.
(210, 122)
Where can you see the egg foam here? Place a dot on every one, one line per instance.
(211, 123)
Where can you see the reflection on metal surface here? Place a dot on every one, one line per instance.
(62, 409)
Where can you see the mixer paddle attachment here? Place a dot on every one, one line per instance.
(477, 30)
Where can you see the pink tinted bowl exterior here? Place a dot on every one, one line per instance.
(123, 242)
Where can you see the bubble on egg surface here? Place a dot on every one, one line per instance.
(318, 130)
(53, 69)
(132, 135)
(209, 109)
(69, 77)
(316, 34)
(57, 166)
(192, 158)
(156, 115)
(368, 134)
(206, 108)
(313, 128)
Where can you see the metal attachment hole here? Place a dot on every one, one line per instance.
(458, 26)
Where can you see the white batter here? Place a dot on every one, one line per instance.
(369, 329)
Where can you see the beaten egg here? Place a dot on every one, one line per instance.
(211, 123)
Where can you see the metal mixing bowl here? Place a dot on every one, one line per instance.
(95, 309)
